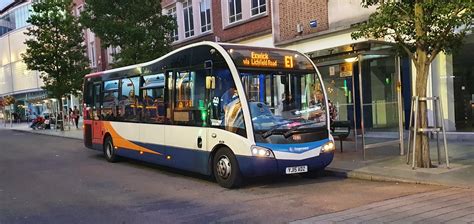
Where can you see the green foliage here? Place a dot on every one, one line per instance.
(138, 27)
(427, 25)
(55, 49)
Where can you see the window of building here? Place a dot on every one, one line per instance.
(205, 6)
(188, 18)
(235, 10)
(258, 7)
(92, 54)
(111, 53)
(79, 10)
(172, 13)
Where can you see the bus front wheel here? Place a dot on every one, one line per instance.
(226, 169)
(109, 150)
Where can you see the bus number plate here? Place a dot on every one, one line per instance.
(296, 169)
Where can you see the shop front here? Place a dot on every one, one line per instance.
(463, 86)
(368, 83)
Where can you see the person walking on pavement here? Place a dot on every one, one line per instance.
(76, 116)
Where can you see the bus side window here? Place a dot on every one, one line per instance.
(97, 102)
(226, 108)
(128, 102)
(153, 102)
(190, 108)
(88, 100)
(109, 108)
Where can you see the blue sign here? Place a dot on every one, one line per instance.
(313, 23)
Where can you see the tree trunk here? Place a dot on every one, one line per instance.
(422, 149)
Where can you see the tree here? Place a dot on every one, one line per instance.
(55, 48)
(422, 29)
(139, 28)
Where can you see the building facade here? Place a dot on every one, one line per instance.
(15, 79)
(236, 21)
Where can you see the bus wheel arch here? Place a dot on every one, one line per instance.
(225, 167)
(211, 157)
(109, 149)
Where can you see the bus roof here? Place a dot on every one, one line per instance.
(225, 46)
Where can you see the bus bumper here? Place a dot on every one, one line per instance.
(255, 166)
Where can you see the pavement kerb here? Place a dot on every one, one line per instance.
(383, 178)
(48, 134)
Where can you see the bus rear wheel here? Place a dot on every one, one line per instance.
(226, 169)
(109, 150)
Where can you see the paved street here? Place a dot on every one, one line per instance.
(46, 179)
(443, 206)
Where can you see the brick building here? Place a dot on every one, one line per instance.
(99, 58)
(238, 21)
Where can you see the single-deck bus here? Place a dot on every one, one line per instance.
(226, 110)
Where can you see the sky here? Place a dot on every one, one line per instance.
(4, 3)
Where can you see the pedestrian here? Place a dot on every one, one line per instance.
(76, 116)
(70, 117)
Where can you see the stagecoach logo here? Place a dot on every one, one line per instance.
(298, 149)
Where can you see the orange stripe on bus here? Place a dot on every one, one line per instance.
(121, 142)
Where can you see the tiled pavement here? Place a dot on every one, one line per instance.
(451, 205)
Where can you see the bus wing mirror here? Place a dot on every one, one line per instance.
(210, 82)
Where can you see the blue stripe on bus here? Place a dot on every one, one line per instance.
(181, 158)
(198, 160)
(251, 166)
(294, 148)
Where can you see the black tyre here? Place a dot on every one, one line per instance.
(109, 150)
(226, 169)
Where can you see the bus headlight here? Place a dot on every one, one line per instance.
(328, 147)
(261, 152)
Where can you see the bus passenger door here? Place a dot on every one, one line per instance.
(96, 123)
(186, 138)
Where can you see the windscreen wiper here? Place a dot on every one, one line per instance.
(293, 129)
(272, 130)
